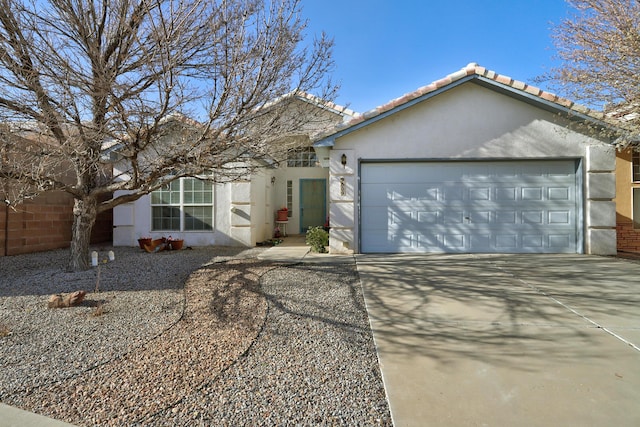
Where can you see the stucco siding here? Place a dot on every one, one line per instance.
(126, 232)
(468, 122)
(472, 122)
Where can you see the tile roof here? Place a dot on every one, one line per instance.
(343, 111)
(469, 72)
(338, 109)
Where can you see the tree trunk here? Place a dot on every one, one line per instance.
(84, 217)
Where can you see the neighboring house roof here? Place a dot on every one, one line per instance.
(474, 73)
(625, 118)
(111, 147)
(343, 111)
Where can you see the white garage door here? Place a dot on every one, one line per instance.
(488, 207)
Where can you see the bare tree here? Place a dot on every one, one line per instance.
(80, 79)
(599, 46)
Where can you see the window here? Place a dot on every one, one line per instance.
(185, 204)
(636, 208)
(302, 158)
(635, 161)
(289, 198)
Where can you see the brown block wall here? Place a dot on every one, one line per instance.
(44, 224)
(628, 237)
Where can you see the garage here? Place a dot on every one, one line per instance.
(531, 206)
(475, 162)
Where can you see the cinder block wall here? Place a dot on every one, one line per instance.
(44, 224)
(628, 237)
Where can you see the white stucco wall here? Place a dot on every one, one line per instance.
(473, 122)
(244, 212)
(133, 220)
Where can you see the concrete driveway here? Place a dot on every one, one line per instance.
(504, 340)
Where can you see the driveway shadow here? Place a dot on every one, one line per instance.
(532, 340)
(507, 305)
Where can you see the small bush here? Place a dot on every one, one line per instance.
(99, 310)
(318, 239)
(4, 330)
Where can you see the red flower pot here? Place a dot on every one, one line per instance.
(176, 244)
(144, 241)
(282, 215)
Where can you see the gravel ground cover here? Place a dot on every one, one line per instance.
(313, 364)
(195, 337)
(141, 295)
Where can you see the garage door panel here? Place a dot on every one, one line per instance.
(428, 217)
(379, 217)
(559, 193)
(531, 193)
(505, 217)
(533, 241)
(378, 241)
(560, 241)
(480, 242)
(456, 242)
(492, 207)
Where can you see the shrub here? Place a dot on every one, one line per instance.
(318, 239)
(4, 330)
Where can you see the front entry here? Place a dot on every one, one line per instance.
(313, 193)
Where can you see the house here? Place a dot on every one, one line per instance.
(474, 162)
(240, 213)
(628, 200)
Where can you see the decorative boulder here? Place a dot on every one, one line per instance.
(66, 300)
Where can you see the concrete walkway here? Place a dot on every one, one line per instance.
(505, 340)
(293, 249)
(14, 417)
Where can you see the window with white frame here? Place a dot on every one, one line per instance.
(289, 198)
(636, 207)
(635, 164)
(185, 204)
(304, 157)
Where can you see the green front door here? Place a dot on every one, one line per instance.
(313, 193)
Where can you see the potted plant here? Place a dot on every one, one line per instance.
(144, 241)
(283, 214)
(174, 244)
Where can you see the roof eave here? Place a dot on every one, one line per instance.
(571, 113)
(373, 116)
(520, 94)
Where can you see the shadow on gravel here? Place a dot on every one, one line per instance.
(314, 362)
(44, 273)
(330, 279)
(223, 314)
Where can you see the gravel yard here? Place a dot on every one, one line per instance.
(195, 337)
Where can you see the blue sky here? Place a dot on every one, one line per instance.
(386, 48)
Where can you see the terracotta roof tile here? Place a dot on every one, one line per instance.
(470, 70)
(533, 90)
